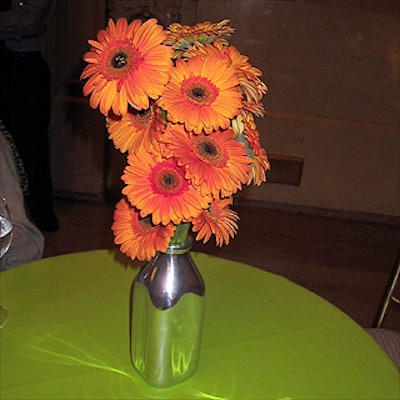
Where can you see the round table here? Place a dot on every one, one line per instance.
(264, 336)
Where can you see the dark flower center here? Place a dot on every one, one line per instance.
(146, 225)
(198, 93)
(120, 60)
(168, 179)
(141, 118)
(209, 149)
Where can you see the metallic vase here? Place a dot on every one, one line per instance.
(167, 317)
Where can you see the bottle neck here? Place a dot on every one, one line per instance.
(180, 248)
(181, 242)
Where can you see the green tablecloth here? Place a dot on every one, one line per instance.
(264, 337)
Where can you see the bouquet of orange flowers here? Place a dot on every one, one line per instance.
(181, 103)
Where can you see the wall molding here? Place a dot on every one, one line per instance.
(331, 121)
(356, 216)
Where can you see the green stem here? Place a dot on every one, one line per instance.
(180, 235)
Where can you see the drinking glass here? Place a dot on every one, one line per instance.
(6, 228)
(6, 234)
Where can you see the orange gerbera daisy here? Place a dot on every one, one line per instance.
(218, 220)
(250, 84)
(127, 64)
(159, 187)
(138, 237)
(255, 108)
(202, 93)
(182, 37)
(136, 128)
(260, 159)
(216, 163)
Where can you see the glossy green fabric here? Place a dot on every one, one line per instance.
(264, 337)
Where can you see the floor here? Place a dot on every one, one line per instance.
(347, 262)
